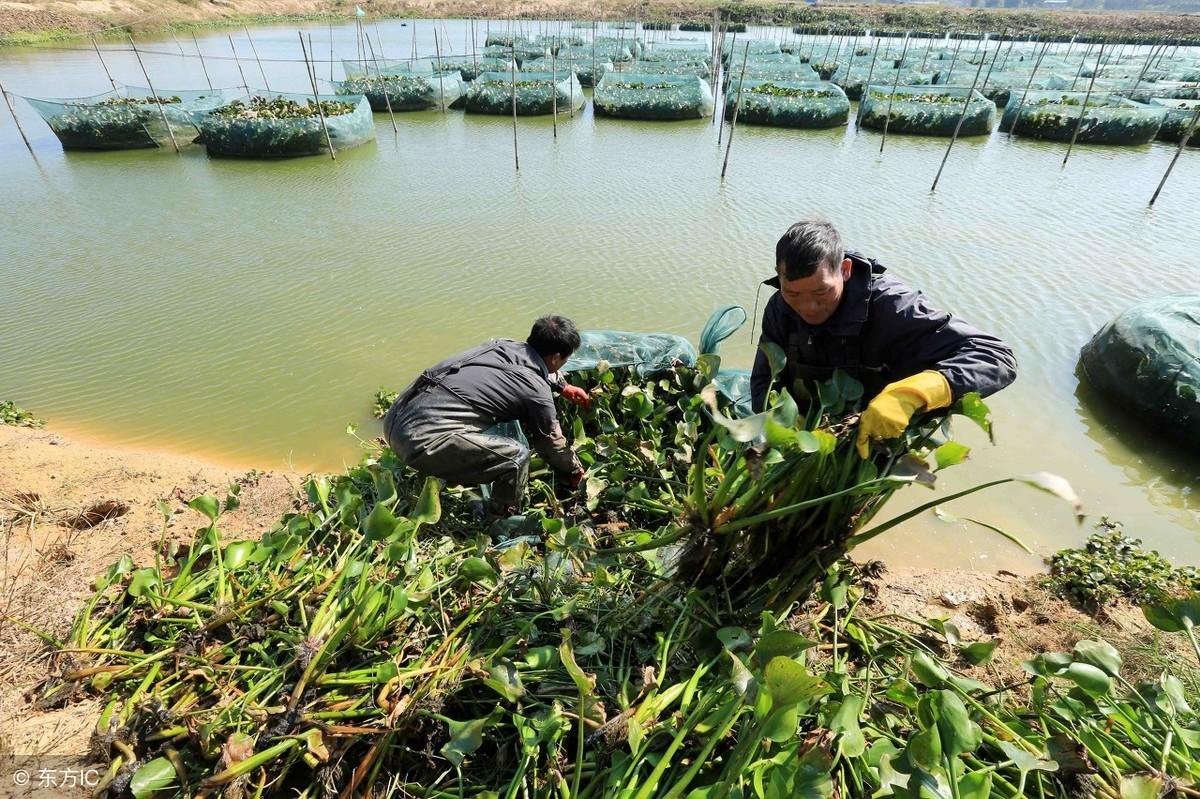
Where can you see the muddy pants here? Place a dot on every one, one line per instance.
(438, 434)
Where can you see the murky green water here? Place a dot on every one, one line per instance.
(246, 311)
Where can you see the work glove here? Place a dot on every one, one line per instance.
(888, 415)
(577, 396)
(575, 479)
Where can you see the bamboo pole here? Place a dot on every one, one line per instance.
(382, 86)
(437, 51)
(331, 52)
(721, 126)
(1187, 134)
(962, 116)
(13, 112)
(202, 64)
(157, 100)
(107, 74)
(1028, 83)
(310, 68)
(953, 61)
(238, 61)
(736, 107)
(1142, 74)
(1083, 108)
(895, 82)
(554, 93)
(866, 89)
(254, 50)
(513, 87)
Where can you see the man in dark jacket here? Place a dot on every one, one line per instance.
(838, 310)
(437, 424)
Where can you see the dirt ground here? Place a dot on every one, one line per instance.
(70, 509)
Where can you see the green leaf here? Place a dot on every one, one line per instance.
(504, 680)
(958, 732)
(734, 638)
(142, 580)
(924, 749)
(902, 692)
(1141, 787)
(541, 657)
(429, 504)
(776, 358)
(781, 643)
(781, 723)
(1089, 678)
(979, 652)
(238, 554)
(742, 430)
(1162, 616)
(972, 406)
(152, 776)
(708, 364)
(789, 683)
(742, 680)
(927, 671)
(1100, 654)
(812, 780)
(478, 570)
(1047, 664)
(586, 683)
(853, 743)
(1024, 761)
(950, 454)
(380, 524)
(207, 505)
(465, 738)
(975, 785)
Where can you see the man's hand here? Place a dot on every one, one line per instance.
(577, 396)
(888, 415)
(575, 479)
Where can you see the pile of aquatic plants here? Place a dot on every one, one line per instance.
(406, 92)
(536, 93)
(14, 415)
(151, 100)
(285, 125)
(280, 107)
(1107, 118)
(653, 95)
(933, 111)
(793, 105)
(643, 639)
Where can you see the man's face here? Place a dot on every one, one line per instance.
(815, 297)
(555, 362)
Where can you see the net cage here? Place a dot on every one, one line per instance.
(1001, 85)
(654, 96)
(734, 51)
(789, 104)
(536, 93)
(406, 92)
(284, 125)
(519, 54)
(471, 67)
(369, 68)
(927, 110)
(770, 71)
(1107, 118)
(1163, 89)
(853, 77)
(127, 118)
(588, 71)
(1178, 119)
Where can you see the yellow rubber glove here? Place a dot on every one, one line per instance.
(888, 415)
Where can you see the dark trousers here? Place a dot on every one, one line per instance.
(438, 434)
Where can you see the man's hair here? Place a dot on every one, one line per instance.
(554, 335)
(806, 247)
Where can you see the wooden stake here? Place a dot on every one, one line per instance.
(736, 107)
(107, 74)
(721, 124)
(330, 52)
(866, 90)
(1028, 83)
(158, 102)
(554, 93)
(238, 61)
(311, 70)
(254, 50)
(383, 86)
(513, 86)
(1187, 134)
(202, 64)
(1083, 108)
(961, 117)
(953, 60)
(896, 82)
(437, 50)
(13, 112)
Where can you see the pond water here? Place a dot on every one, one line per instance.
(245, 311)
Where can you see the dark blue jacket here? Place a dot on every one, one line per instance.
(882, 331)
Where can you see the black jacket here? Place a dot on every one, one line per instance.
(882, 331)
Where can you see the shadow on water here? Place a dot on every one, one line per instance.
(1147, 454)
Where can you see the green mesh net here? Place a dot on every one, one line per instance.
(255, 127)
(664, 53)
(1001, 85)
(1164, 89)
(521, 53)
(735, 50)
(647, 353)
(1180, 114)
(789, 104)
(1107, 119)
(927, 110)
(126, 119)
(588, 71)
(536, 93)
(405, 92)
(853, 77)
(408, 66)
(471, 67)
(645, 95)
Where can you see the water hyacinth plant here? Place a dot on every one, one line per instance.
(281, 125)
(929, 111)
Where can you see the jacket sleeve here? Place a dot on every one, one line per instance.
(922, 337)
(774, 329)
(545, 434)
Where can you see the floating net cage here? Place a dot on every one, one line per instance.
(406, 92)
(1001, 85)
(521, 53)
(795, 104)
(1107, 119)
(853, 78)
(771, 71)
(733, 52)
(1178, 119)
(284, 125)
(653, 95)
(355, 68)
(927, 110)
(536, 93)
(471, 67)
(588, 72)
(126, 119)
(1164, 89)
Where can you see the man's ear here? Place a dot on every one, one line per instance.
(847, 268)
